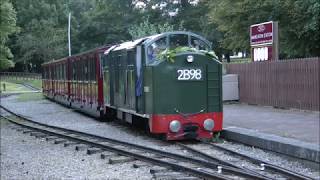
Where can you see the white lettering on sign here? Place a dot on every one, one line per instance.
(189, 74)
(260, 54)
(260, 36)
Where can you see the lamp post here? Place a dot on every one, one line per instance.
(69, 31)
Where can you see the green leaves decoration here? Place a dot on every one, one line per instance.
(169, 54)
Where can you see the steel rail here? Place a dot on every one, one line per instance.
(228, 169)
(222, 162)
(30, 87)
(286, 172)
(174, 166)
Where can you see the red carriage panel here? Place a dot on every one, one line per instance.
(77, 81)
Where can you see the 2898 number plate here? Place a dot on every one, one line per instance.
(189, 74)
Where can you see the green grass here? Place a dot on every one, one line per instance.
(12, 87)
(35, 83)
(30, 97)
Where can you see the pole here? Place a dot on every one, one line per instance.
(69, 41)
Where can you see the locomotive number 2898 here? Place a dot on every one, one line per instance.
(189, 74)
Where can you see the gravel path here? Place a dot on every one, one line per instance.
(26, 157)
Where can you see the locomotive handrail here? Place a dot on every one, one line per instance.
(188, 114)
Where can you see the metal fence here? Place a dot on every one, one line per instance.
(19, 76)
(286, 83)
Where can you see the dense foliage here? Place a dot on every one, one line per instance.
(298, 23)
(7, 27)
(43, 25)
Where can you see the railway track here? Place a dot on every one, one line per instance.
(30, 87)
(258, 167)
(177, 165)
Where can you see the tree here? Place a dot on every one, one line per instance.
(43, 32)
(197, 22)
(107, 23)
(146, 29)
(298, 23)
(184, 15)
(7, 27)
(300, 28)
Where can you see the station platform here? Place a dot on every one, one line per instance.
(291, 132)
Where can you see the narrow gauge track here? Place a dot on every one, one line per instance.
(267, 168)
(180, 163)
(30, 86)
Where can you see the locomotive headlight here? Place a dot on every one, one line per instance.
(208, 124)
(175, 126)
(189, 59)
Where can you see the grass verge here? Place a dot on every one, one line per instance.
(30, 97)
(12, 87)
(35, 83)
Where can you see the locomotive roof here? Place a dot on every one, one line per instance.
(131, 44)
(75, 55)
(154, 38)
(150, 39)
(54, 61)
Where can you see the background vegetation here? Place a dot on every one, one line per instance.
(35, 31)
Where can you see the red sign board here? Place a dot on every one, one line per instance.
(261, 33)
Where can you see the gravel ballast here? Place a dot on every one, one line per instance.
(51, 113)
(26, 157)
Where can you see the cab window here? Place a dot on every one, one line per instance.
(178, 40)
(199, 44)
(155, 49)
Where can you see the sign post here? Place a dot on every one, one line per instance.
(264, 41)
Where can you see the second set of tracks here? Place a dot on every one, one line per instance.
(191, 164)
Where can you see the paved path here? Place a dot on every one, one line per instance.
(300, 125)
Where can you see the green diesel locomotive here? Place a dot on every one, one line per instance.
(170, 82)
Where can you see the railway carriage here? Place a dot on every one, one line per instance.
(76, 81)
(55, 82)
(168, 82)
(86, 82)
